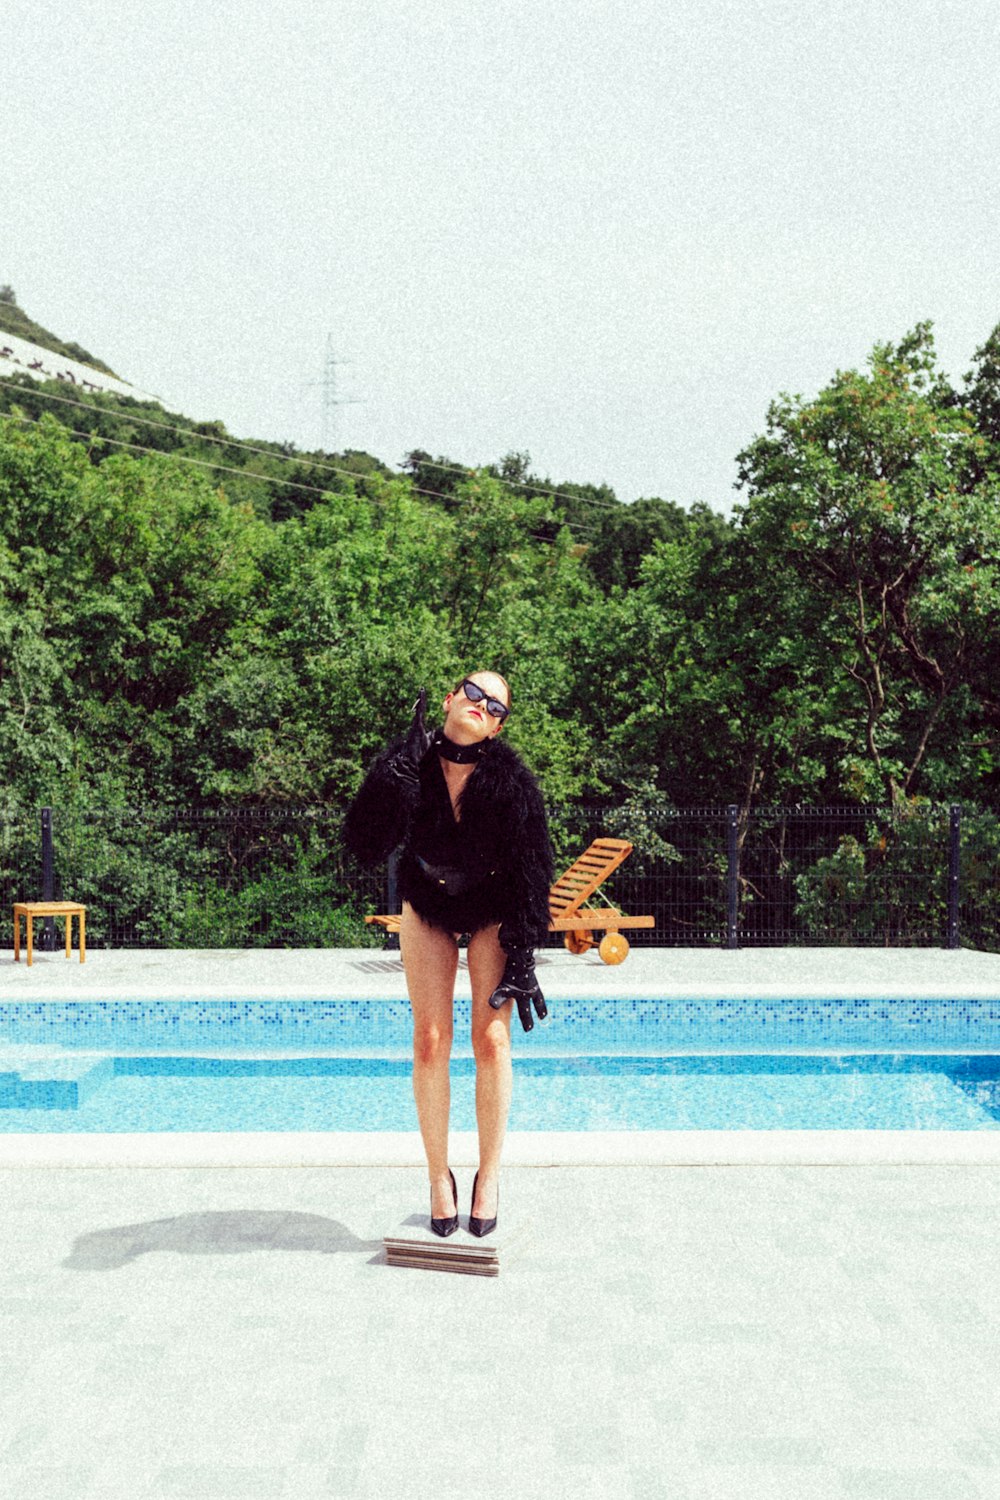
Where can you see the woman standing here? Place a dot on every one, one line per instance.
(475, 859)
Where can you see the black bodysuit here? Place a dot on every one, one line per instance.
(496, 858)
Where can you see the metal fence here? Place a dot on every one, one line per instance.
(912, 875)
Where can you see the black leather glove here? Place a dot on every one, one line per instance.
(519, 983)
(406, 762)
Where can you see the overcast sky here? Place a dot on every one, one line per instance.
(607, 234)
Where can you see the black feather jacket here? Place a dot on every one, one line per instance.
(500, 841)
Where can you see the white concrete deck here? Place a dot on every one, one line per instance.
(366, 973)
(719, 1333)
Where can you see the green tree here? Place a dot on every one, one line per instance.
(118, 584)
(874, 496)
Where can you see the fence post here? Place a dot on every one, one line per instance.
(392, 938)
(954, 850)
(732, 885)
(48, 943)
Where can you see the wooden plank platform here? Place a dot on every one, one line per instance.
(415, 1244)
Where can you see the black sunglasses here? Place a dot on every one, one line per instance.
(476, 694)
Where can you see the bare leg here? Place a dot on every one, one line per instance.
(494, 1074)
(430, 960)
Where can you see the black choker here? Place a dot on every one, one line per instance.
(463, 755)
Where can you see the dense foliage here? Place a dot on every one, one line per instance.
(247, 634)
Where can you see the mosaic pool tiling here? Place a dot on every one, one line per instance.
(584, 1026)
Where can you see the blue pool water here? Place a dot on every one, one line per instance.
(828, 1064)
(93, 1092)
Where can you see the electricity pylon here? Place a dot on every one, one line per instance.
(330, 398)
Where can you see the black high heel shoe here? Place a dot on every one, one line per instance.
(481, 1226)
(445, 1227)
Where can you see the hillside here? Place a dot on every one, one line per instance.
(15, 320)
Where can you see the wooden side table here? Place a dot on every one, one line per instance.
(31, 909)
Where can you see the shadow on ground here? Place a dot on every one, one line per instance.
(234, 1233)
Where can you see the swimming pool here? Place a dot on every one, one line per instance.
(607, 1064)
(672, 1041)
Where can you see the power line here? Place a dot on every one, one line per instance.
(228, 469)
(190, 434)
(526, 484)
(293, 458)
(175, 457)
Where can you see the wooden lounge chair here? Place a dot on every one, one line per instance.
(570, 911)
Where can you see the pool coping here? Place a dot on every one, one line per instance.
(664, 975)
(521, 1148)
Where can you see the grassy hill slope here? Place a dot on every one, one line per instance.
(15, 320)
